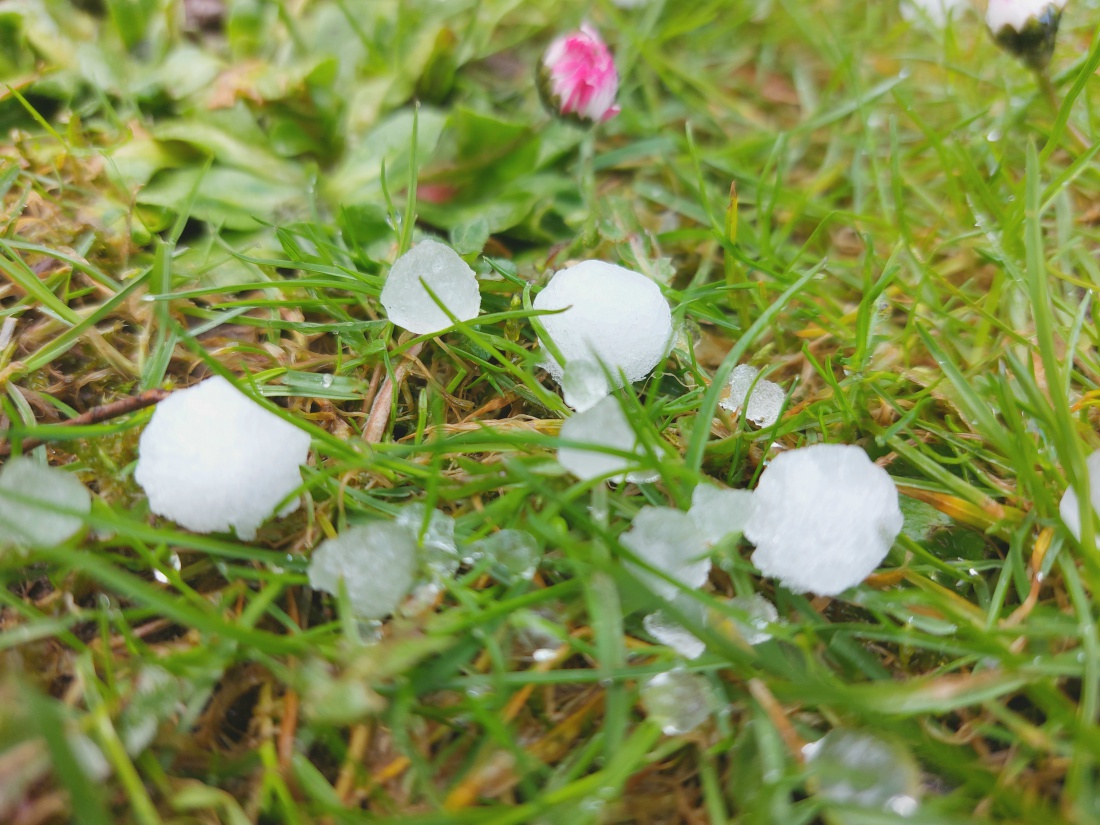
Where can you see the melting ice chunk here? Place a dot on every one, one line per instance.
(212, 459)
(666, 630)
(612, 317)
(376, 561)
(1069, 506)
(823, 518)
(759, 613)
(24, 483)
(514, 554)
(583, 384)
(764, 404)
(861, 769)
(668, 540)
(436, 540)
(717, 512)
(409, 305)
(604, 427)
(678, 701)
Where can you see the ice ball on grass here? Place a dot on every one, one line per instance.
(513, 554)
(603, 427)
(765, 401)
(669, 632)
(434, 534)
(212, 459)
(1069, 507)
(612, 317)
(377, 563)
(864, 770)
(40, 506)
(669, 541)
(410, 306)
(677, 701)
(718, 512)
(823, 518)
(758, 614)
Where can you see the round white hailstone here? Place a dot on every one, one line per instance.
(823, 518)
(605, 427)
(25, 524)
(409, 305)
(1015, 14)
(717, 512)
(764, 404)
(669, 541)
(377, 563)
(1069, 506)
(212, 459)
(612, 317)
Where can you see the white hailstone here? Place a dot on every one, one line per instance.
(409, 305)
(583, 384)
(669, 632)
(864, 770)
(934, 11)
(24, 485)
(612, 317)
(604, 427)
(212, 459)
(677, 701)
(1016, 14)
(717, 512)
(514, 554)
(764, 404)
(438, 549)
(377, 563)
(669, 541)
(823, 518)
(1069, 506)
(759, 613)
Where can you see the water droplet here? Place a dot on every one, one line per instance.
(326, 380)
(993, 136)
(544, 654)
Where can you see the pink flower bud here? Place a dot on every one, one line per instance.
(1026, 28)
(577, 77)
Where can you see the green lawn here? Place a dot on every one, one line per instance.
(896, 222)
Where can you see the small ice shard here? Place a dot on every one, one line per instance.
(377, 562)
(1069, 506)
(583, 384)
(438, 549)
(605, 427)
(864, 770)
(24, 484)
(669, 632)
(613, 317)
(212, 459)
(717, 512)
(409, 305)
(765, 403)
(514, 554)
(823, 518)
(669, 541)
(677, 701)
(759, 613)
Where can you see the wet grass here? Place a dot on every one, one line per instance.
(913, 259)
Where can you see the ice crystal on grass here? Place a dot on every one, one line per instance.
(212, 459)
(823, 518)
(669, 541)
(864, 770)
(718, 512)
(436, 540)
(513, 554)
(766, 399)
(677, 701)
(377, 563)
(612, 317)
(669, 632)
(32, 496)
(435, 265)
(1069, 507)
(604, 427)
(759, 613)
